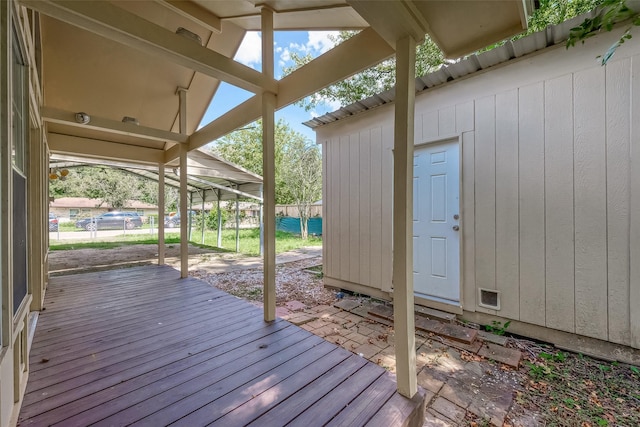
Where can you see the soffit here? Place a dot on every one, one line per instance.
(83, 71)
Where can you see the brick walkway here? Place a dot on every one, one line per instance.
(461, 385)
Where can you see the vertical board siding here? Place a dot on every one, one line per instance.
(468, 222)
(447, 121)
(387, 204)
(634, 207)
(618, 104)
(376, 208)
(430, 125)
(327, 219)
(590, 203)
(531, 206)
(559, 244)
(337, 255)
(365, 207)
(464, 117)
(354, 208)
(550, 202)
(485, 187)
(507, 219)
(344, 208)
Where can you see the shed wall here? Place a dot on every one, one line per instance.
(548, 189)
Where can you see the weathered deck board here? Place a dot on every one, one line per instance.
(142, 346)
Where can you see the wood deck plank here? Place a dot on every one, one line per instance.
(139, 372)
(124, 409)
(204, 406)
(324, 409)
(290, 408)
(141, 345)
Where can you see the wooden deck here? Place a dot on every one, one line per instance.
(143, 347)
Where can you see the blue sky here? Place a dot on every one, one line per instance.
(249, 53)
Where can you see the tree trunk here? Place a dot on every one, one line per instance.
(304, 212)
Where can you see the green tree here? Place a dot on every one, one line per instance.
(244, 148)
(113, 187)
(303, 177)
(611, 13)
(428, 56)
(369, 82)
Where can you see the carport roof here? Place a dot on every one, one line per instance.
(208, 175)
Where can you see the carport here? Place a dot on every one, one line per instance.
(209, 179)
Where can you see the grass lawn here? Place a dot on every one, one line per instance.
(249, 241)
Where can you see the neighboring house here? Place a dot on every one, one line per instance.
(72, 208)
(526, 198)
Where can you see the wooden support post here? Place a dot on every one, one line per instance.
(268, 169)
(403, 217)
(161, 214)
(184, 241)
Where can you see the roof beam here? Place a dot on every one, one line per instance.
(364, 50)
(117, 24)
(195, 13)
(89, 147)
(243, 114)
(53, 115)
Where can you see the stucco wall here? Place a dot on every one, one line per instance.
(549, 198)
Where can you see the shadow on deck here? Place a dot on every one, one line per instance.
(141, 346)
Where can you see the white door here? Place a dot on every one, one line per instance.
(436, 219)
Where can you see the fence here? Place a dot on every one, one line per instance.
(292, 211)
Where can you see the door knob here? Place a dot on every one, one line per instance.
(456, 216)
(455, 228)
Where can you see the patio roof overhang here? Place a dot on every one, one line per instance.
(119, 59)
(116, 59)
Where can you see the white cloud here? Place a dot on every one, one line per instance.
(250, 50)
(319, 40)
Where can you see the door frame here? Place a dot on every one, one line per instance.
(438, 305)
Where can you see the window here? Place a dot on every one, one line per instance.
(19, 111)
(73, 213)
(19, 133)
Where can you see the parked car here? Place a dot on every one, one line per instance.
(172, 221)
(53, 222)
(111, 220)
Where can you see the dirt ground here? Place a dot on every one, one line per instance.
(69, 261)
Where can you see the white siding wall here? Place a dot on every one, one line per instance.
(550, 200)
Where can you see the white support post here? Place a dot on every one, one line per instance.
(403, 299)
(237, 223)
(261, 219)
(184, 241)
(204, 193)
(161, 214)
(219, 194)
(268, 169)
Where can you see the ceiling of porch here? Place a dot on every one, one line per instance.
(123, 58)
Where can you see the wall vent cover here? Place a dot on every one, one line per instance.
(489, 298)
